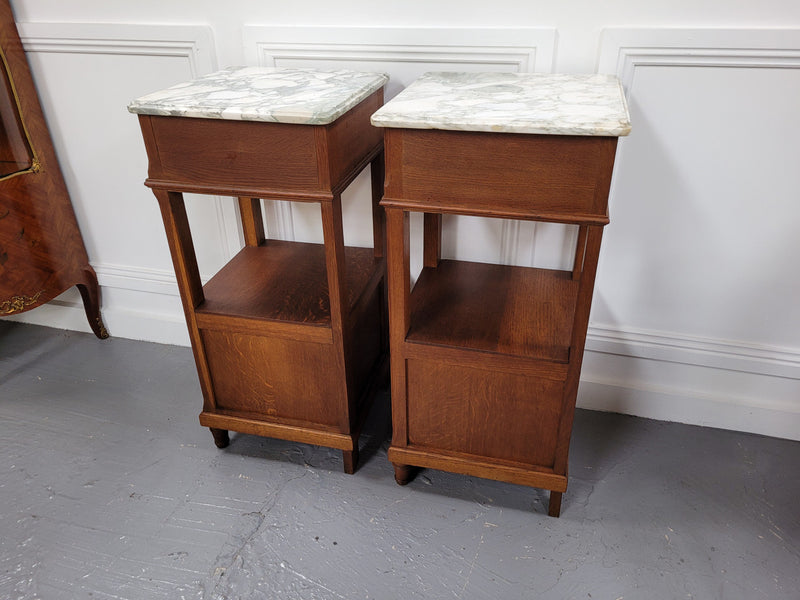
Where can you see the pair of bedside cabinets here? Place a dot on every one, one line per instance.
(292, 339)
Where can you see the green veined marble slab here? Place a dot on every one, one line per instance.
(511, 103)
(304, 96)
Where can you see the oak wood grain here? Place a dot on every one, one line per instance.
(184, 261)
(240, 152)
(502, 174)
(399, 284)
(259, 375)
(252, 221)
(498, 308)
(519, 473)
(351, 138)
(285, 281)
(257, 425)
(487, 414)
(431, 240)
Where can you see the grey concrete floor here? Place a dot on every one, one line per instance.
(109, 488)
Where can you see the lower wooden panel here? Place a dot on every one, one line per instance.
(479, 467)
(479, 412)
(282, 431)
(276, 378)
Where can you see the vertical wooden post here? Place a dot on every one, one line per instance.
(580, 251)
(580, 323)
(399, 276)
(377, 171)
(377, 177)
(252, 221)
(333, 235)
(432, 240)
(179, 237)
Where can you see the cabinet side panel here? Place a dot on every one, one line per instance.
(274, 378)
(365, 346)
(351, 138)
(484, 413)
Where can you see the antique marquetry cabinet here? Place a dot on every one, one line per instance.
(42, 253)
(486, 358)
(288, 337)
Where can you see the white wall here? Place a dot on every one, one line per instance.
(696, 315)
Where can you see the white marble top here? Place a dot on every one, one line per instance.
(511, 103)
(305, 96)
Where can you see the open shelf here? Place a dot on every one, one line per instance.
(518, 311)
(285, 281)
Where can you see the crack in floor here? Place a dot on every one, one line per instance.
(223, 572)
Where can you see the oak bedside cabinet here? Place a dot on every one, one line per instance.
(287, 337)
(485, 359)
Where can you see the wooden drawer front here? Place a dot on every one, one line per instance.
(483, 413)
(525, 176)
(275, 378)
(238, 154)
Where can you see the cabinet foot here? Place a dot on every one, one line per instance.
(221, 438)
(403, 474)
(90, 294)
(350, 458)
(554, 509)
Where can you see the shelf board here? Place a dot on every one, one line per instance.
(516, 311)
(284, 281)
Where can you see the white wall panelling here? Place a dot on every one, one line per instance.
(405, 53)
(696, 316)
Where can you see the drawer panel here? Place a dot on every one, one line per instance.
(484, 413)
(275, 378)
(515, 175)
(237, 154)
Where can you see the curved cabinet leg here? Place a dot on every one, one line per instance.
(221, 438)
(90, 293)
(403, 474)
(554, 509)
(350, 458)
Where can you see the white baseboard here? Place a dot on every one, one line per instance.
(693, 410)
(610, 382)
(164, 324)
(730, 355)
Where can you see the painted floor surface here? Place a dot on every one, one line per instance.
(110, 489)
